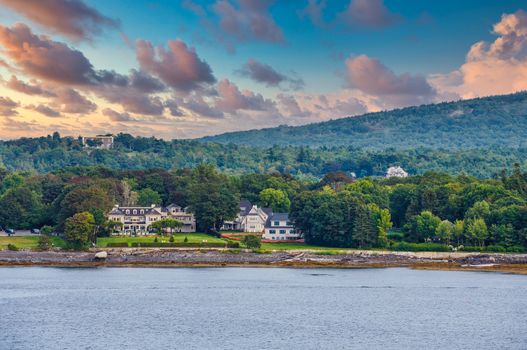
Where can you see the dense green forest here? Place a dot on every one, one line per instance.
(434, 209)
(50, 153)
(477, 123)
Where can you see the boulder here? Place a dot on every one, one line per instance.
(101, 255)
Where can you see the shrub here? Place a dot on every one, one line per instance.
(117, 245)
(44, 242)
(233, 244)
(252, 242)
(171, 239)
(12, 247)
(186, 239)
(179, 244)
(156, 240)
(396, 236)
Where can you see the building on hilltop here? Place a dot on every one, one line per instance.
(98, 141)
(396, 171)
(279, 227)
(136, 221)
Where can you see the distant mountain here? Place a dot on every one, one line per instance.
(476, 123)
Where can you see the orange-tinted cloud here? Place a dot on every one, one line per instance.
(72, 18)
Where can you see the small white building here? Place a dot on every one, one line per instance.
(278, 227)
(396, 171)
(98, 141)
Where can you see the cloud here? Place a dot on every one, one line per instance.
(265, 74)
(145, 82)
(179, 67)
(42, 57)
(372, 77)
(71, 101)
(71, 18)
(200, 108)
(7, 107)
(29, 89)
(231, 99)
(315, 12)
(369, 14)
(246, 20)
(499, 67)
(291, 107)
(45, 110)
(116, 116)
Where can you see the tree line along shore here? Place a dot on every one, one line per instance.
(427, 212)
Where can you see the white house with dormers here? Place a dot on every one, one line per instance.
(278, 227)
(136, 221)
(251, 218)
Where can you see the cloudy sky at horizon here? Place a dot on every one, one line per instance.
(189, 68)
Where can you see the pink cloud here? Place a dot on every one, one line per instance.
(372, 77)
(248, 19)
(29, 89)
(264, 73)
(72, 18)
(368, 13)
(45, 110)
(8, 107)
(179, 66)
(231, 99)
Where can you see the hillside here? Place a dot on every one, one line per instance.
(476, 123)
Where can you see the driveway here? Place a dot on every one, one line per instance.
(19, 233)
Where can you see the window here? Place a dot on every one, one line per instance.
(292, 232)
(276, 223)
(142, 211)
(272, 232)
(127, 211)
(289, 223)
(282, 232)
(135, 211)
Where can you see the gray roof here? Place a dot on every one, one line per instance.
(277, 217)
(246, 205)
(122, 211)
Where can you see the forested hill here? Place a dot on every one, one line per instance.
(476, 123)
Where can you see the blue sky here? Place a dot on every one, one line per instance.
(346, 57)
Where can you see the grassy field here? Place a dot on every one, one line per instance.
(178, 238)
(293, 246)
(26, 242)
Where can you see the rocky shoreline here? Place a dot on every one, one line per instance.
(129, 257)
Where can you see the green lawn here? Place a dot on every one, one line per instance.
(178, 237)
(26, 242)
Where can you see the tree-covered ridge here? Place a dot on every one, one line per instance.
(47, 154)
(476, 123)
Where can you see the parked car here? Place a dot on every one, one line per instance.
(35, 231)
(9, 231)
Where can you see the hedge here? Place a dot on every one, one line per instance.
(185, 245)
(117, 245)
(420, 247)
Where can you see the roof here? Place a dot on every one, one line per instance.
(277, 217)
(147, 211)
(245, 206)
(268, 211)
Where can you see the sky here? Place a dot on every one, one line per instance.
(190, 68)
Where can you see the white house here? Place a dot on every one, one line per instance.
(98, 141)
(279, 227)
(396, 171)
(137, 220)
(251, 218)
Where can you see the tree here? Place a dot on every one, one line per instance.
(480, 209)
(252, 242)
(477, 231)
(422, 227)
(383, 222)
(212, 197)
(458, 230)
(275, 199)
(78, 229)
(147, 197)
(364, 230)
(44, 242)
(444, 231)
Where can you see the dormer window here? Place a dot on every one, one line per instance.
(127, 211)
(142, 211)
(135, 212)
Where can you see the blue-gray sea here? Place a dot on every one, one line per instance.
(260, 308)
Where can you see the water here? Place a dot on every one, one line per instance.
(243, 308)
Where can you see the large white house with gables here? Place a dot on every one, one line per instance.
(137, 220)
(273, 226)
